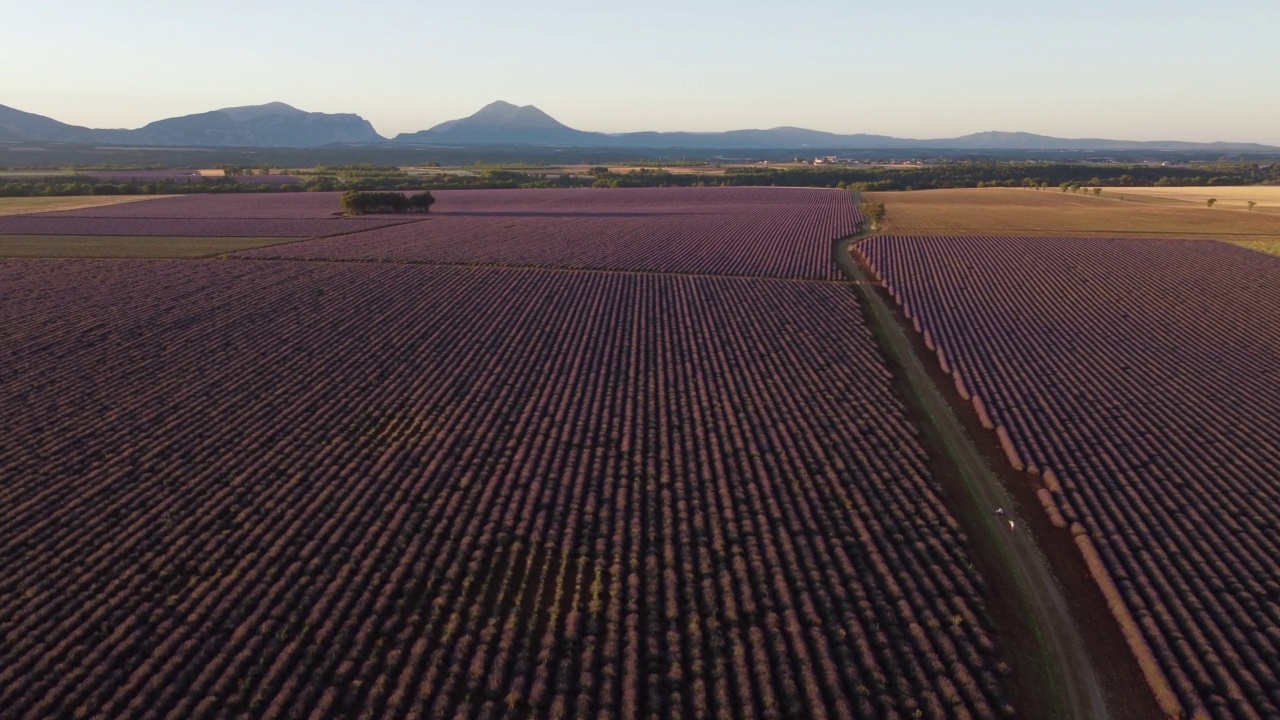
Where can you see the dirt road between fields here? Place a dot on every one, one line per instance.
(1068, 683)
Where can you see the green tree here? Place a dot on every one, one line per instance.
(874, 212)
(355, 202)
(1211, 201)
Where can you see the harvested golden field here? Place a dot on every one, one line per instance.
(107, 246)
(1017, 211)
(1266, 197)
(23, 205)
(1270, 247)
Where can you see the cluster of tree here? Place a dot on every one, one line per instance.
(355, 202)
(357, 171)
(233, 170)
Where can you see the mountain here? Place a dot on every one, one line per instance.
(254, 112)
(16, 125)
(272, 125)
(503, 123)
(1028, 141)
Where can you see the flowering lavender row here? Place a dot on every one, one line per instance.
(368, 489)
(787, 236)
(60, 224)
(1141, 379)
(661, 201)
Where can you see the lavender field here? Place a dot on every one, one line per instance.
(325, 489)
(1138, 379)
(221, 205)
(763, 232)
(122, 225)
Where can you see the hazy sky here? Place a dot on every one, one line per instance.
(1126, 69)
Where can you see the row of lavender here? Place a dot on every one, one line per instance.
(332, 488)
(768, 232)
(774, 232)
(302, 215)
(52, 224)
(213, 206)
(580, 201)
(1140, 378)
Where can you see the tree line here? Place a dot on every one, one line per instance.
(962, 174)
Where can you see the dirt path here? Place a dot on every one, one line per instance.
(1053, 650)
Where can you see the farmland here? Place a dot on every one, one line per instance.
(1265, 197)
(222, 206)
(738, 231)
(24, 205)
(329, 488)
(1135, 380)
(173, 227)
(52, 224)
(1007, 211)
(129, 246)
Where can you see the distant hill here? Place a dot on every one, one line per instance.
(272, 125)
(501, 123)
(16, 125)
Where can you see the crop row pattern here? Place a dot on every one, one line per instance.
(765, 232)
(1141, 378)
(326, 489)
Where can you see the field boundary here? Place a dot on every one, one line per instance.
(1057, 548)
(1055, 666)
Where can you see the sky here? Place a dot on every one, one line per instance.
(1122, 69)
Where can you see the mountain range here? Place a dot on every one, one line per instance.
(272, 125)
(500, 123)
